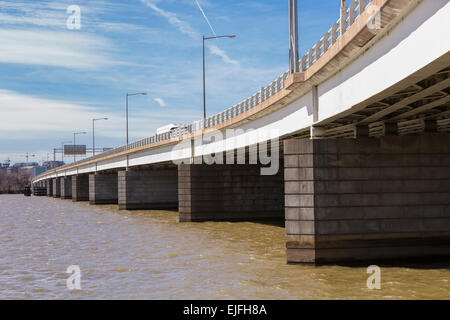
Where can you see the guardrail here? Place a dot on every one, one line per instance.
(348, 17)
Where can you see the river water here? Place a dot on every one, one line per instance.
(149, 255)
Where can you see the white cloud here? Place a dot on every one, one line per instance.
(35, 33)
(23, 114)
(66, 49)
(161, 102)
(219, 52)
(185, 28)
(172, 18)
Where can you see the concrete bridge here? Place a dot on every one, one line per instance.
(364, 166)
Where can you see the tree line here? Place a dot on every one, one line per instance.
(11, 183)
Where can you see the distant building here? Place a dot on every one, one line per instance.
(48, 165)
(31, 169)
(27, 171)
(22, 168)
(35, 171)
(4, 167)
(25, 164)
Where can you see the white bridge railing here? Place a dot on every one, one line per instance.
(348, 17)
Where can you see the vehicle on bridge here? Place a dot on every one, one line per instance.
(171, 129)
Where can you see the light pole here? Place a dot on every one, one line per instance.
(204, 71)
(62, 148)
(294, 55)
(130, 95)
(74, 144)
(93, 133)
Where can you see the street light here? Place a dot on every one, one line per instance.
(204, 70)
(93, 133)
(74, 144)
(130, 95)
(62, 148)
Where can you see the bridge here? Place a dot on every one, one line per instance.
(354, 139)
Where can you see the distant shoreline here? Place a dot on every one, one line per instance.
(12, 192)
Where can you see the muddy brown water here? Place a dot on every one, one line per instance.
(149, 255)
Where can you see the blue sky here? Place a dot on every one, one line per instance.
(53, 80)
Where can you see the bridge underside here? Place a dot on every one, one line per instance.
(421, 103)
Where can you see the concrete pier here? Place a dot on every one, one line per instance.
(368, 198)
(148, 188)
(39, 189)
(56, 187)
(66, 188)
(103, 188)
(80, 188)
(49, 184)
(229, 193)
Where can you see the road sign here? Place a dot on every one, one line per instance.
(77, 150)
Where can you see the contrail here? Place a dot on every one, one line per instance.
(206, 18)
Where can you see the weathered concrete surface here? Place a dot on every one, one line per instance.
(56, 187)
(367, 199)
(103, 188)
(49, 184)
(66, 187)
(151, 189)
(229, 193)
(80, 188)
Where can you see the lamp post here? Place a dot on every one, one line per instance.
(93, 133)
(130, 95)
(294, 54)
(74, 144)
(204, 71)
(62, 148)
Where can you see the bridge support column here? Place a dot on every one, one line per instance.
(49, 184)
(56, 187)
(148, 189)
(430, 126)
(66, 188)
(390, 129)
(39, 189)
(361, 131)
(229, 193)
(103, 188)
(367, 199)
(80, 188)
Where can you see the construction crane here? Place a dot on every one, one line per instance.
(27, 156)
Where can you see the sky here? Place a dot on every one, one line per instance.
(54, 78)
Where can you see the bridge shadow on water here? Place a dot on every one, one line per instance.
(431, 263)
(274, 223)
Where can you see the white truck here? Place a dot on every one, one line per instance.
(170, 128)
